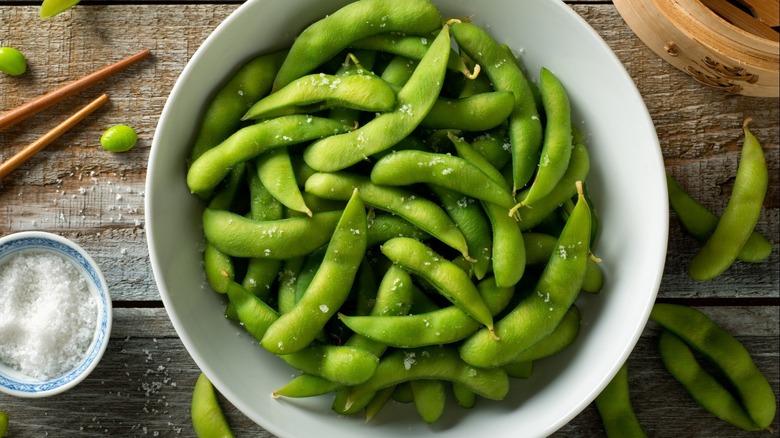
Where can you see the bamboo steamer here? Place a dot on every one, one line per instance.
(714, 52)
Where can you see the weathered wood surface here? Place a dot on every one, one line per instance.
(142, 386)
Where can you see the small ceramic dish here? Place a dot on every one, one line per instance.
(18, 383)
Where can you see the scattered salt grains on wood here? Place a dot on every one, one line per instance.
(51, 314)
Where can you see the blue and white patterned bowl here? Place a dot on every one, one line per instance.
(15, 383)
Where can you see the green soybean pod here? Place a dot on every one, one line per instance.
(253, 313)
(468, 153)
(329, 288)
(740, 216)
(218, 266)
(398, 71)
(12, 61)
(249, 142)
(703, 335)
(468, 215)
(305, 385)
(282, 239)
(223, 114)
(494, 146)
(421, 212)
(413, 102)
(411, 167)
(441, 326)
(325, 38)
(451, 281)
(359, 92)
(339, 364)
(508, 248)
(277, 175)
(614, 407)
(430, 398)
(288, 278)
(464, 396)
(563, 335)
(557, 141)
(701, 222)
(379, 401)
(207, 417)
(441, 363)
(525, 127)
(408, 46)
(519, 369)
(3, 423)
(383, 227)
(535, 317)
(539, 247)
(579, 166)
(703, 387)
(480, 112)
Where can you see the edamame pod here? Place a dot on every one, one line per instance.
(727, 353)
(211, 167)
(421, 212)
(325, 38)
(557, 141)
(539, 247)
(337, 363)
(276, 173)
(253, 314)
(207, 417)
(329, 288)
(383, 227)
(525, 127)
(479, 112)
(440, 363)
(700, 223)
(442, 326)
(535, 317)
(411, 167)
(359, 92)
(223, 115)
(508, 248)
(740, 216)
(429, 398)
(305, 385)
(451, 281)
(238, 236)
(563, 335)
(614, 407)
(408, 46)
(413, 102)
(703, 387)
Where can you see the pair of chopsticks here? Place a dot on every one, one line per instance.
(40, 103)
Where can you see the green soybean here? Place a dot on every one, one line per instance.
(451, 281)
(329, 288)
(701, 223)
(413, 102)
(702, 386)
(278, 177)
(251, 141)
(3, 423)
(421, 212)
(430, 398)
(535, 317)
(383, 227)
(119, 138)
(561, 337)
(508, 248)
(480, 112)
(12, 61)
(464, 396)
(325, 38)
(253, 313)
(411, 47)
(339, 364)
(703, 335)
(223, 113)
(305, 385)
(359, 92)
(207, 417)
(740, 216)
(614, 407)
(525, 127)
(282, 239)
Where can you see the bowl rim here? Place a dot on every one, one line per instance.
(42, 240)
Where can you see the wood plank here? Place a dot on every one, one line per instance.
(142, 387)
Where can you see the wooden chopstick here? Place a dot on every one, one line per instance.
(24, 111)
(20, 157)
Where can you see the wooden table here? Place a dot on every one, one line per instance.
(143, 385)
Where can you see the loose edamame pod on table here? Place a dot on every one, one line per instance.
(701, 223)
(3, 423)
(12, 61)
(614, 407)
(740, 216)
(207, 417)
(703, 335)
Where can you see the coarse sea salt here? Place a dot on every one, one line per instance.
(47, 314)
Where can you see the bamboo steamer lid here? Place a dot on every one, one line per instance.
(696, 40)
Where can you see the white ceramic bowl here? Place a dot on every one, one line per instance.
(16, 383)
(627, 184)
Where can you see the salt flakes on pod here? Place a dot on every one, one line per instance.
(48, 315)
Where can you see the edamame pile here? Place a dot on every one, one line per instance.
(368, 228)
